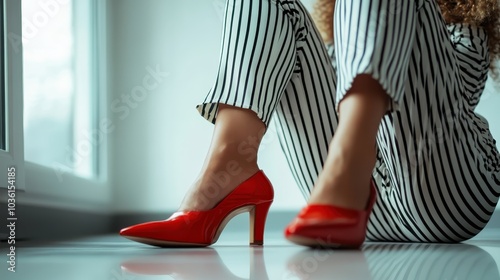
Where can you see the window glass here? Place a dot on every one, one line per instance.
(57, 102)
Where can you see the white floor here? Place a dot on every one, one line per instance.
(114, 258)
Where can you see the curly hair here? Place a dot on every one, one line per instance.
(484, 13)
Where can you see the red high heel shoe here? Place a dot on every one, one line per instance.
(202, 228)
(331, 226)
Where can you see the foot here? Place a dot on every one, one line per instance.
(215, 184)
(341, 184)
(341, 192)
(231, 159)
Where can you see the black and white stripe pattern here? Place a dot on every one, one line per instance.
(438, 170)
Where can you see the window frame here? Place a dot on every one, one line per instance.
(2, 86)
(12, 87)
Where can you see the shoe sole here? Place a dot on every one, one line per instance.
(161, 243)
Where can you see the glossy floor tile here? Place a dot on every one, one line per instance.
(114, 258)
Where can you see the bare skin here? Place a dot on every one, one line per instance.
(322, 16)
(346, 175)
(231, 159)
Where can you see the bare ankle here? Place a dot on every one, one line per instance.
(215, 184)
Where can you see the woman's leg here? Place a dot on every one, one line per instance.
(365, 40)
(231, 159)
(258, 58)
(346, 175)
(306, 117)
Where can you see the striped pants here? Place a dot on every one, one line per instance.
(437, 170)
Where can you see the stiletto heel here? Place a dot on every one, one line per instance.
(202, 228)
(331, 226)
(258, 217)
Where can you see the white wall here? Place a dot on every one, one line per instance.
(157, 149)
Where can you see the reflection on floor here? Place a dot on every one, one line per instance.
(115, 258)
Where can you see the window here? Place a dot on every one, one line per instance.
(60, 85)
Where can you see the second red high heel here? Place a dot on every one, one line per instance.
(331, 226)
(202, 228)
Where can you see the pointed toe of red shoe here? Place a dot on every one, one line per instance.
(126, 231)
(176, 231)
(139, 230)
(130, 231)
(144, 233)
